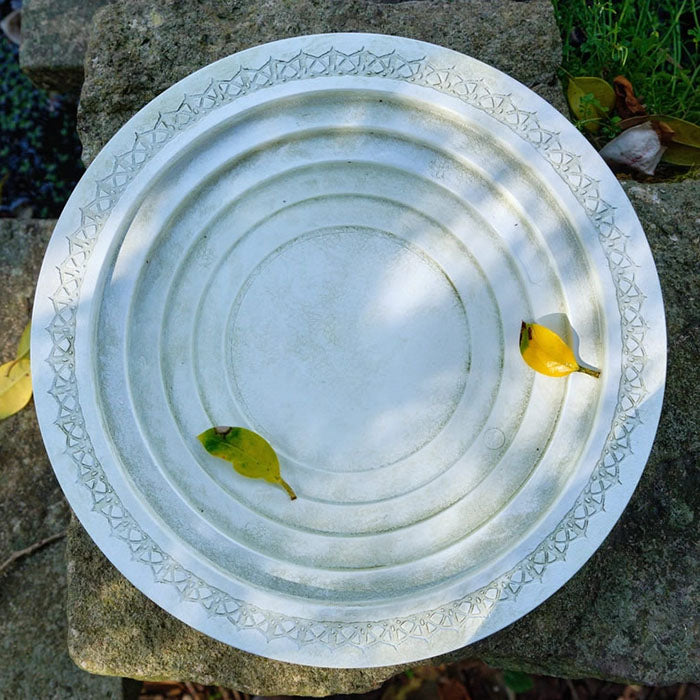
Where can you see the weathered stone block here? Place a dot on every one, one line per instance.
(54, 37)
(33, 652)
(138, 49)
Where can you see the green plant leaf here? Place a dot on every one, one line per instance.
(15, 386)
(591, 100)
(249, 453)
(518, 681)
(684, 148)
(23, 347)
(678, 154)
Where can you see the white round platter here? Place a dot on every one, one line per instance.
(332, 240)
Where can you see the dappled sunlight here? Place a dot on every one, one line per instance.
(343, 268)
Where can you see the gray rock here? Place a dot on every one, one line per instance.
(629, 615)
(631, 612)
(137, 49)
(31, 501)
(33, 652)
(113, 626)
(54, 37)
(670, 214)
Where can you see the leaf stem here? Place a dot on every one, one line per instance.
(287, 488)
(591, 372)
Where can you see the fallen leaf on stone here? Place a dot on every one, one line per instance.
(639, 147)
(626, 103)
(249, 453)
(547, 353)
(15, 387)
(591, 100)
(16, 379)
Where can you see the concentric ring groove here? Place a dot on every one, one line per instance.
(278, 175)
(461, 613)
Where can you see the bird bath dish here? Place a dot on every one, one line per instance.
(332, 240)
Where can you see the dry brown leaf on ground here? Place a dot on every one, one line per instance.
(626, 103)
(664, 132)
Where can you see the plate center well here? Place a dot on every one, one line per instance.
(348, 348)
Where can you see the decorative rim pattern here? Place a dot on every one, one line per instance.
(191, 588)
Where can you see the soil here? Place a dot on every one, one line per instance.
(466, 680)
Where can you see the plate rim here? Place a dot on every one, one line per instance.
(390, 635)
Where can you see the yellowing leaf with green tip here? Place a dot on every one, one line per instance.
(547, 353)
(249, 453)
(590, 109)
(15, 386)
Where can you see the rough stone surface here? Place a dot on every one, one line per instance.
(113, 626)
(33, 653)
(137, 49)
(631, 612)
(629, 615)
(54, 37)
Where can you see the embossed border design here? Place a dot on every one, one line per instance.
(165, 569)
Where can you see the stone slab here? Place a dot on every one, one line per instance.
(137, 49)
(54, 37)
(630, 615)
(33, 629)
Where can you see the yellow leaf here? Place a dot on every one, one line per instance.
(684, 148)
(590, 99)
(250, 454)
(547, 353)
(15, 386)
(23, 347)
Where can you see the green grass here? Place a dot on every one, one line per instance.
(653, 43)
